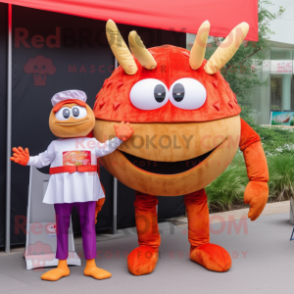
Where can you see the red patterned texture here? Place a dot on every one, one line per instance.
(113, 101)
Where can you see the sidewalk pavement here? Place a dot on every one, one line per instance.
(180, 222)
(262, 261)
(270, 208)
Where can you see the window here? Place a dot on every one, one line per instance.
(281, 80)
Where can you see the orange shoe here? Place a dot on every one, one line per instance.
(62, 270)
(212, 257)
(95, 272)
(142, 260)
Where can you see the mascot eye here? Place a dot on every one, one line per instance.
(187, 93)
(79, 112)
(149, 94)
(75, 112)
(66, 113)
(159, 93)
(63, 114)
(178, 92)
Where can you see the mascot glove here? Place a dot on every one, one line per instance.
(20, 156)
(256, 195)
(123, 131)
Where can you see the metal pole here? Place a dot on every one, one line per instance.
(114, 215)
(9, 129)
(114, 212)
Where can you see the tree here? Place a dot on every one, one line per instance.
(240, 70)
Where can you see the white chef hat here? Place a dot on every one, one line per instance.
(69, 96)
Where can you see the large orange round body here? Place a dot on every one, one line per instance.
(174, 150)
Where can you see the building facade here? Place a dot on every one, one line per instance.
(276, 92)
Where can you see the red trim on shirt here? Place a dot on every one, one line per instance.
(71, 169)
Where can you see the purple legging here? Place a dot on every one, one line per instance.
(86, 212)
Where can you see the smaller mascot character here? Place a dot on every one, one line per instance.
(74, 181)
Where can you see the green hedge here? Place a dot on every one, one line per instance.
(229, 187)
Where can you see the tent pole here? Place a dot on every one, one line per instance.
(114, 207)
(9, 129)
(114, 215)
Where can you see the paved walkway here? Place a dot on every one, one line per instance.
(262, 262)
(271, 208)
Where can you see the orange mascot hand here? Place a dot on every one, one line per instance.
(123, 131)
(256, 195)
(20, 156)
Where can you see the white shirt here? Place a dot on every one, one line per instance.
(77, 186)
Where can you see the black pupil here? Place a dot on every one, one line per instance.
(66, 113)
(178, 92)
(75, 112)
(159, 93)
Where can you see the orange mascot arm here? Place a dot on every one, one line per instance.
(99, 202)
(123, 131)
(256, 192)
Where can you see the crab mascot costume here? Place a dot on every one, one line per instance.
(74, 181)
(187, 130)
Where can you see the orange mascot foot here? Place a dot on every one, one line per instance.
(142, 260)
(92, 270)
(62, 270)
(212, 257)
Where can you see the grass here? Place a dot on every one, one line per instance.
(281, 184)
(228, 189)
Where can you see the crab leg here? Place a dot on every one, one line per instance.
(143, 259)
(210, 256)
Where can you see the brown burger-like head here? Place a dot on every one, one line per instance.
(184, 114)
(72, 120)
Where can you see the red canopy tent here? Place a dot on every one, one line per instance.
(165, 14)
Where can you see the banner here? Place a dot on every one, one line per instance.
(282, 118)
(51, 53)
(280, 67)
(3, 125)
(179, 16)
(54, 52)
